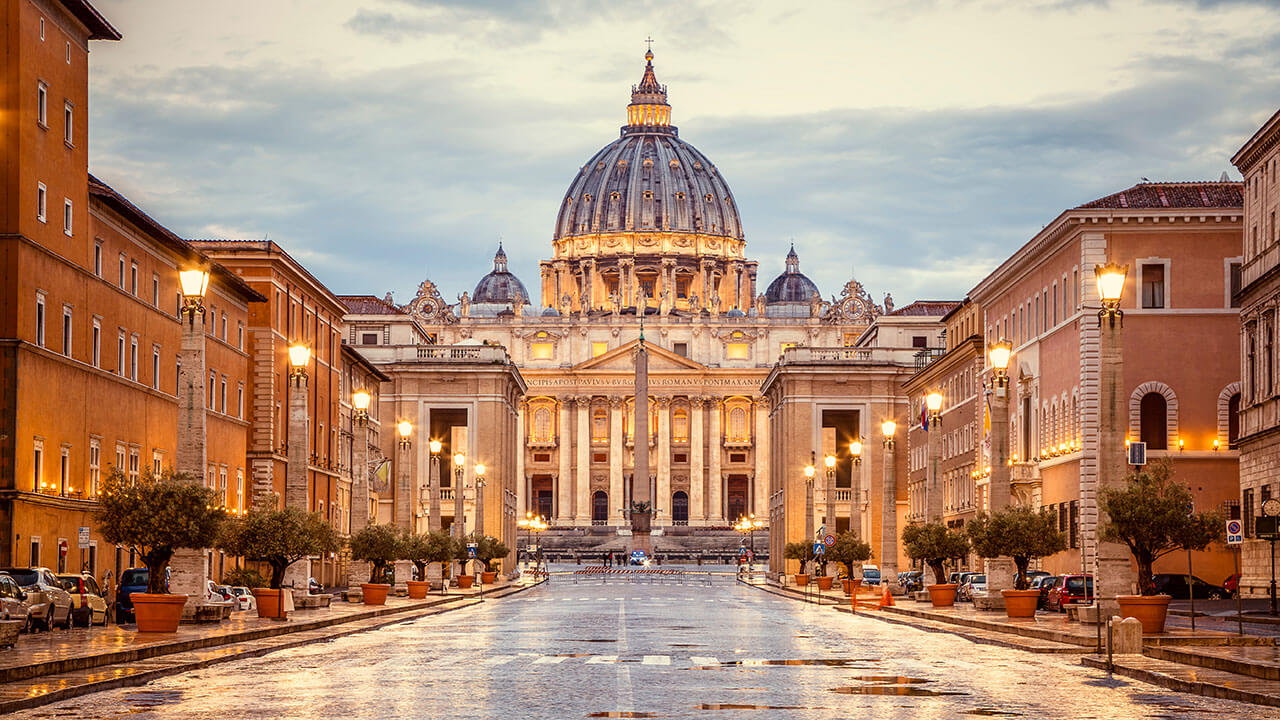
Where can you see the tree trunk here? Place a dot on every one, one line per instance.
(1145, 585)
(1021, 563)
(939, 573)
(277, 573)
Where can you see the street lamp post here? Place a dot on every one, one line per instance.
(855, 490)
(888, 511)
(433, 491)
(480, 485)
(1112, 572)
(830, 462)
(747, 525)
(359, 513)
(809, 472)
(189, 567)
(532, 524)
(295, 477)
(1000, 571)
(404, 498)
(459, 469)
(933, 483)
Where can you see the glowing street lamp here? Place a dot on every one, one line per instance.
(855, 449)
(1110, 278)
(404, 429)
(299, 356)
(360, 401)
(193, 284)
(1000, 353)
(933, 401)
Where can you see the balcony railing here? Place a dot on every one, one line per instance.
(843, 355)
(926, 356)
(489, 354)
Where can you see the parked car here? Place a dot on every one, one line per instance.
(1031, 576)
(243, 598)
(88, 607)
(961, 579)
(50, 604)
(871, 575)
(132, 581)
(213, 592)
(15, 603)
(1232, 584)
(1047, 584)
(1069, 590)
(1175, 585)
(1041, 583)
(974, 583)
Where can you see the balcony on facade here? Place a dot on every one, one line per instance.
(801, 355)
(925, 356)
(442, 354)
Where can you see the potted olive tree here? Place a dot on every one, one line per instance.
(850, 551)
(153, 517)
(803, 552)
(380, 546)
(422, 549)
(934, 544)
(278, 538)
(462, 553)
(1022, 534)
(489, 549)
(1152, 514)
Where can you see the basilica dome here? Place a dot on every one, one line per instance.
(500, 287)
(792, 286)
(649, 180)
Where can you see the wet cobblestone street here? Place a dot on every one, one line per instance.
(620, 649)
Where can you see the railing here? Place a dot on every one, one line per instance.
(437, 353)
(446, 493)
(926, 356)
(844, 495)
(844, 355)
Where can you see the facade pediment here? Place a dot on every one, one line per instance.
(622, 358)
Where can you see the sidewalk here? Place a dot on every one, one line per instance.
(48, 667)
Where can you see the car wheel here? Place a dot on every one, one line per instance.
(1215, 595)
(47, 624)
(66, 624)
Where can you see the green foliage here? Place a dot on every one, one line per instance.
(640, 507)
(489, 549)
(848, 549)
(1150, 515)
(244, 577)
(156, 516)
(933, 543)
(801, 551)
(379, 545)
(424, 548)
(278, 538)
(1017, 532)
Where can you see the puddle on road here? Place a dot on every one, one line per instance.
(734, 706)
(991, 713)
(622, 714)
(889, 679)
(890, 690)
(826, 662)
(153, 698)
(599, 640)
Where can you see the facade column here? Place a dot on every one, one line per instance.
(1000, 571)
(295, 478)
(697, 466)
(889, 519)
(933, 480)
(582, 476)
(715, 482)
(522, 435)
(760, 500)
(616, 447)
(358, 572)
(564, 483)
(662, 500)
(189, 568)
(1113, 572)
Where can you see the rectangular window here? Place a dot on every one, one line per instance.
(42, 104)
(133, 278)
(1153, 289)
(135, 463)
(120, 354)
(68, 116)
(1054, 318)
(40, 320)
(97, 259)
(64, 472)
(37, 466)
(95, 467)
(157, 462)
(736, 351)
(120, 462)
(1233, 284)
(122, 264)
(42, 202)
(68, 218)
(155, 368)
(97, 343)
(240, 335)
(239, 489)
(240, 400)
(224, 327)
(368, 338)
(35, 552)
(541, 351)
(66, 331)
(223, 393)
(213, 385)
(155, 290)
(599, 348)
(133, 359)
(41, 40)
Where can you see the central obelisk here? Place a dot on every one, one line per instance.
(641, 508)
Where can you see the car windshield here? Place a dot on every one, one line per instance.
(70, 583)
(978, 579)
(23, 577)
(1077, 584)
(870, 573)
(133, 577)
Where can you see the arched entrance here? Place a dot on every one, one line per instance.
(599, 508)
(680, 508)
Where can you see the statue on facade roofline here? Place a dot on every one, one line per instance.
(464, 304)
(888, 303)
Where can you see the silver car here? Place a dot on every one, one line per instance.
(50, 604)
(15, 604)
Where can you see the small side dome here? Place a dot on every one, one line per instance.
(551, 312)
(500, 287)
(791, 286)
(735, 313)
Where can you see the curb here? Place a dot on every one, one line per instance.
(1193, 687)
(367, 623)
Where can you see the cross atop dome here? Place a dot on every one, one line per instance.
(649, 111)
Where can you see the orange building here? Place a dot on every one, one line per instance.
(89, 329)
(1181, 365)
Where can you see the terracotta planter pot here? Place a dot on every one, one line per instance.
(1020, 603)
(824, 582)
(270, 603)
(488, 578)
(802, 579)
(464, 581)
(157, 613)
(1149, 609)
(418, 590)
(943, 595)
(375, 593)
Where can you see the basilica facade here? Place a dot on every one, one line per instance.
(647, 240)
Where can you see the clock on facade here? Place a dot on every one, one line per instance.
(1271, 508)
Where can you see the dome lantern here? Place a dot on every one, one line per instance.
(649, 111)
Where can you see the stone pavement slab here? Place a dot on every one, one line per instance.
(1262, 662)
(1191, 679)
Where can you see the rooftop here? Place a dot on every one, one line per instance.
(927, 308)
(1173, 195)
(369, 305)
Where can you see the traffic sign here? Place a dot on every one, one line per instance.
(83, 537)
(471, 550)
(829, 540)
(1235, 532)
(819, 549)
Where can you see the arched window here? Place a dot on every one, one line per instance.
(680, 508)
(1153, 411)
(542, 425)
(1233, 419)
(599, 508)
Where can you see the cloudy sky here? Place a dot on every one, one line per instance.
(913, 143)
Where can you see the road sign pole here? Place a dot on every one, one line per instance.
(1235, 557)
(1273, 577)
(1191, 592)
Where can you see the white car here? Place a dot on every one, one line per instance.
(243, 598)
(14, 602)
(50, 605)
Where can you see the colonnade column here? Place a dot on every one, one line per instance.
(760, 502)
(616, 502)
(697, 498)
(564, 481)
(522, 497)
(582, 474)
(715, 482)
(663, 500)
